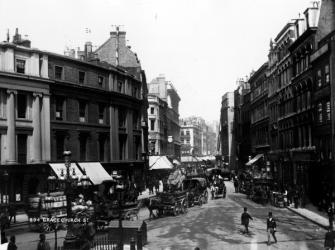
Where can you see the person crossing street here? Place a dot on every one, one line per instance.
(271, 228)
(245, 217)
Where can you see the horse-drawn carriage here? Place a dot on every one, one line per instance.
(169, 203)
(218, 188)
(196, 189)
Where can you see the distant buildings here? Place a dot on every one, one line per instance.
(50, 103)
(197, 138)
(226, 146)
(163, 118)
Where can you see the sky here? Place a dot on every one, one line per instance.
(201, 46)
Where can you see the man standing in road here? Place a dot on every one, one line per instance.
(329, 239)
(245, 217)
(331, 212)
(271, 228)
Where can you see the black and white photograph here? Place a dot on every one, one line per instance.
(167, 124)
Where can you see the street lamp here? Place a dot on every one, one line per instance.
(119, 190)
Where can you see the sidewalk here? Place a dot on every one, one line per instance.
(311, 213)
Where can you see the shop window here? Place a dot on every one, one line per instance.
(20, 66)
(22, 106)
(58, 72)
(81, 77)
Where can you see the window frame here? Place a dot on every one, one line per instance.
(80, 73)
(61, 73)
(80, 111)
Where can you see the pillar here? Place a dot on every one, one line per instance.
(37, 145)
(11, 138)
(309, 136)
(45, 124)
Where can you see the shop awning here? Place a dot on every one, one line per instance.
(176, 162)
(253, 160)
(96, 172)
(159, 162)
(189, 158)
(58, 167)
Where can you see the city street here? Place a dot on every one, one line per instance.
(217, 225)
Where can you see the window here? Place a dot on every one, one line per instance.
(134, 91)
(102, 148)
(319, 78)
(152, 110)
(120, 86)
(22, 148)
(327, 76)
(82, 147)
(122, 115)
(100, 81)
(60, 138)
(22, 106)
(101, 113)
(122, 146)
(188, 141)
(58, 72)
(20, 66)
(81, 77)
(328, 110)
(137, 147)
(320, 112)
(152, 125)
(187, 132)
(82, 111)
(136, 121)
(59, 108)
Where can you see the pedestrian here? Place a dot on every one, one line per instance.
(12, 213)
(3, 238)
(43, 244)
(11, 244)
(329, 239)
(331, 212)
(236, 185)
(271, 228)
(245, 217)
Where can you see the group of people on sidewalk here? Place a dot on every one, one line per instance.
(43, 244)
(271, 225)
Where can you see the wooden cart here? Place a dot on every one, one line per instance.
(170, 203)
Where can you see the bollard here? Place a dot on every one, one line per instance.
(139, 239)
(132, 243)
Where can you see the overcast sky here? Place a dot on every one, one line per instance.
(201, 46)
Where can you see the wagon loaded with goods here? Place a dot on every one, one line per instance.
(172, 200)
(196, 189)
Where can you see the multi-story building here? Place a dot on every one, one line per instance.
(164, 131)
(51, 103)
(323, 75)
(259, 116)
(227, 148)
(241, 125)
(190, 136)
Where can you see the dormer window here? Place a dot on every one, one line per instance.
(20, 66)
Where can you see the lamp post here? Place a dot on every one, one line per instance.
(2, 227)
(119, 190)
